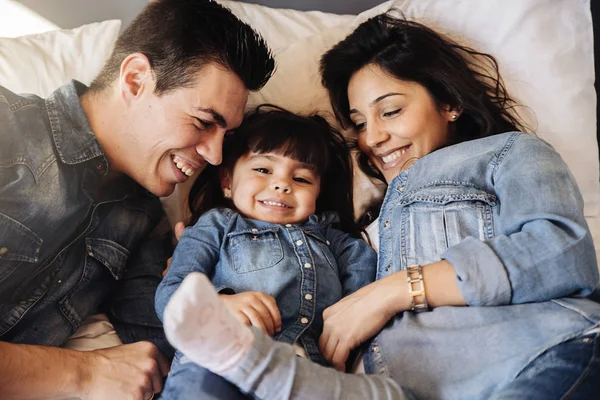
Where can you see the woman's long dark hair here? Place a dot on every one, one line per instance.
(308, 139)
(454, 75)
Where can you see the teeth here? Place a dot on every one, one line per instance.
(394, 156)
(274, 203)
(183, 166)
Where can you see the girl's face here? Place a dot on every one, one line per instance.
(397, 121)
(273, 188)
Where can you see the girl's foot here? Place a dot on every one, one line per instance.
(199, 325)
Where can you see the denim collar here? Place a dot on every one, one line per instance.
(72, 133)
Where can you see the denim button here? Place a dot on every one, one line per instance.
(307, 265)
(386, 224)
(308, 297)
(3, 251)
(288, 225)
(304, 320)
(254, 230)
(299, 243)
(401, 187)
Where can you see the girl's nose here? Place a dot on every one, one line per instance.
(281, 187)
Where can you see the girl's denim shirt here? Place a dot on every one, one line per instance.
(68, 250)
(507, 214)
(305, 267)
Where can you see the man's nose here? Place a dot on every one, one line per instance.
(211, 146)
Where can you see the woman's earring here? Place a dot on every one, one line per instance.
(454, 117)
(227, 193)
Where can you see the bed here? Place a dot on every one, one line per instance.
(545, 49)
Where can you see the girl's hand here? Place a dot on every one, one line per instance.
(255, 308)
(359, 316)
(178, 230)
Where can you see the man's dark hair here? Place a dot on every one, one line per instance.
(180, 37)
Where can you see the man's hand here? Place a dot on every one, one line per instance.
(178, 230)
(131, 371)
(255, 308)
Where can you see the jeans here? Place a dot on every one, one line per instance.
(271, 371)
(570, 370)
(188, 381)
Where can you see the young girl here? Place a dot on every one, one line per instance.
(273, 230)
(485, 222)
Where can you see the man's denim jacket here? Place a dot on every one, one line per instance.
(305, 267)
(69, 246)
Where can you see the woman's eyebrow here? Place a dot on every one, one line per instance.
(377, 100)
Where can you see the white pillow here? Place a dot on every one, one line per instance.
(42, 62)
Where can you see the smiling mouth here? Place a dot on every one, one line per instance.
(394, 156)
(272, 203)
(183, 166)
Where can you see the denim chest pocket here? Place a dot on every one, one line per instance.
(84, 298)
(109, 254)
(440, 217)
(255, 249)
(18, 244)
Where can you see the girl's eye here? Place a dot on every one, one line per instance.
(391, 113)
(302, 180)
(261, 170)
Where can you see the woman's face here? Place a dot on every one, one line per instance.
(397, 121)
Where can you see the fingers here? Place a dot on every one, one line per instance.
(178, 229)
(168, 266)
(258, 320)
(273, 310)
(255, 308)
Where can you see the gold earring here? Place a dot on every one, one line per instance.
(454, 117)
(226, 193)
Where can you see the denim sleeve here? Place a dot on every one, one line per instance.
(542, 247)
(130, 306)
(198, 250)
(356, 260)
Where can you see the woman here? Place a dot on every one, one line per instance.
(486, 226)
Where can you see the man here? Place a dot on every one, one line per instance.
(80, 223)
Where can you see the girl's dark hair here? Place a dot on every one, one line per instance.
(454, 75)
(308, 139)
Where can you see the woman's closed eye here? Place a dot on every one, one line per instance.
(261, 170)
(392, 113)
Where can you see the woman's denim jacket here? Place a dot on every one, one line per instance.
(507, 214)
(305, 267)
(68, 246)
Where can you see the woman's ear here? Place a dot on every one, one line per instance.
(451, 113)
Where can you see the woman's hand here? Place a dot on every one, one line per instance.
(359, 316)
(255, 308)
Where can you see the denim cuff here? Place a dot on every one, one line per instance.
(481, 276)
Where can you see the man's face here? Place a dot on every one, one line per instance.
(172, 136)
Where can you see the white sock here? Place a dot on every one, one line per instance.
(198, 324)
